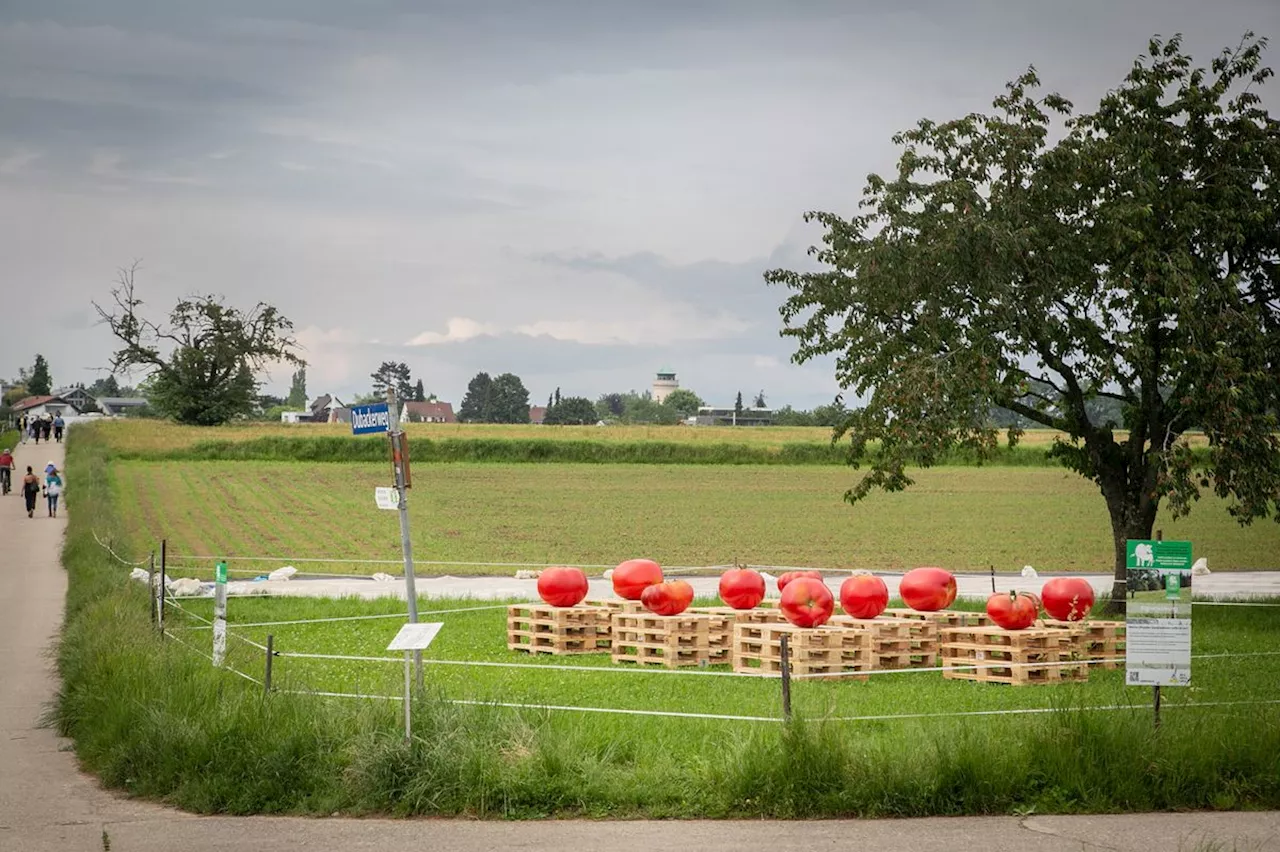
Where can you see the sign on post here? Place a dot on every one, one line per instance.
(413, 639)
(1158, 614)
(220, 613)
(370, 419)
(386, 498)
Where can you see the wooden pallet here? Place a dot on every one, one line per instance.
(943, 617)
(723, 618)
(545, 629)
(1019, 657)
(826, 650)
(1098, 640)
(898, 643)
(661, 640)
(617, 605)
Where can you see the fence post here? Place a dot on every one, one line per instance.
(408, 694)
(1155, 690)
(151, 587)
(164, 551)
(266, 677)
(785, 652)
(220, 614)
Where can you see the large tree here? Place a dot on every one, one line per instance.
(476, 405)
(393, 375)
(1130, 254)
(40, 383)
(297, 399)
(571, 411)
(683, 401)
(510, 400)
(202, 361)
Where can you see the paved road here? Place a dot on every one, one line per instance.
(47, 804)
(1238, 584)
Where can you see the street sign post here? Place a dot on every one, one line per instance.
(413, 639)
(400, 456)
(370, 419)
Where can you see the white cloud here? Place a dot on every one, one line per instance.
(17, 161)
(456, 330)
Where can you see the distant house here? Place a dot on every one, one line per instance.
(113, 406)
(428, 412)
(295, 416)
(40, 406)
(537, 413)
(78, 397)
(328, 409)
(708, 416)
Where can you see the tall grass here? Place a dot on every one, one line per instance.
(154, 719)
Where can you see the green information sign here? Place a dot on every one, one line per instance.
(220, 573)
(1158, 555)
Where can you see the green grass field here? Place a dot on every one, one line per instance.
(962, 518)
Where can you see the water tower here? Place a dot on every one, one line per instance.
(664, 383)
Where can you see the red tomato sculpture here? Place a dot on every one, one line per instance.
(1068, 598)
(794, 575)
(1012, 610)
(741, 588)
(670, 598)
(807, 602)
(864, 596)
(562, 586)
(632, 577)
(927, 589)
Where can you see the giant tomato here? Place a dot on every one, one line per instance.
(632, 577)
(927, 589)
(793, 575)
(741, 588)
(1012, 610)
(864, 596)
(1068, 598)
(807, 602)
(670, 598)
(562, 586)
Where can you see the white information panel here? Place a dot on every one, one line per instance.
(1158, 614)
(415, 637)
(386, 498)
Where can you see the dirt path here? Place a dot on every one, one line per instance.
(47, 804)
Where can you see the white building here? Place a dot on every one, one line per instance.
(664, 384)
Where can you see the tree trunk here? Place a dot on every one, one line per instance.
(1133, 515)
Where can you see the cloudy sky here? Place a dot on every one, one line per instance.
(577, 191)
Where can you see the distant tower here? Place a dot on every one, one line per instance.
(664, 384)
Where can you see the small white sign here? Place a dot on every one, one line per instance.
(1157, 651)
(415, 637)
(386, 498)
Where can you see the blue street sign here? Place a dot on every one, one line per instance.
(368, 419)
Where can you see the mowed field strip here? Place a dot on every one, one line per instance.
(962, 518)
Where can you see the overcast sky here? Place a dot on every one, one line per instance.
(576, 191)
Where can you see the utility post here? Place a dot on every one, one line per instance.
(400, 464)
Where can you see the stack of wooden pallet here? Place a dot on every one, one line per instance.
(834, 651)
(544, 629)
(943, 617)
(1020, 657)
(898, 643)
(663, 640)
(1100, 641)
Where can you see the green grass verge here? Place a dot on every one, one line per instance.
(154, 719)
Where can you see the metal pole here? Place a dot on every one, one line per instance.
(164, 550)
(220, 615)
(786, 677)
(151, 587)
(407, 697)
(993, 578)
(406, 544)
(266, 675)
(1155, 690)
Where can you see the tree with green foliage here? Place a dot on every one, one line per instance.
(683, 401)
(297, 399)
(611, 405)
(40, 383)
(107, 387)
(571, 411)
(758, 402)
(476, 402)
(17, 393)
(207, 377)
(509, 402)
(1129, 253)
(419, 392)
(393, 375)
(737, 405)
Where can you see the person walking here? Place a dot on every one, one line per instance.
(30, 490)
(58, 425)
(52, 490)
(47, 425)
(6, 471)
(24, 427)
(34, 426)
